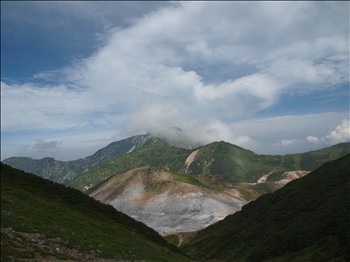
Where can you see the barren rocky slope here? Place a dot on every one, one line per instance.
(165, 202)
(173, 203)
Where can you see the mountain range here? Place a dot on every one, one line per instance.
(173, 189)
(306, 220)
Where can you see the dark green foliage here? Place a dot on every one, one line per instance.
(307, 220)
(34, 205)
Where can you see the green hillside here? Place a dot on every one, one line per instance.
(307, 220)
(41, 219)
(218, 163)
(227, 162)
(155, 153)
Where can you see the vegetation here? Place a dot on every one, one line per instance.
(307, 220)
(155, 153)
(42, 218)
(220, 163)
(234, 164)
(64, 171)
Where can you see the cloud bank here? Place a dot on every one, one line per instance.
(199, 67)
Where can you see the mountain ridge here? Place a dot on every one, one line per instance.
(217, 162)
(215, 173)
(64, 171)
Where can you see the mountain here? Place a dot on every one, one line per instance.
(218, 162)
(155, 153)
(307, 220)
(219, 173)
(215, 163)
(64, 171)
(226, 162)
(169, 203)
(45, 221)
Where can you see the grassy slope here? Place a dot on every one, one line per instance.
(228, 162)
(32, 204)
(219, 162)
(154, 153)
(234, 164)
(307, 220)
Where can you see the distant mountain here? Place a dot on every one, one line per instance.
(307, 220)
(155, 153)
(218, 163)
(45, 221)
(64, 171)
(226, 162)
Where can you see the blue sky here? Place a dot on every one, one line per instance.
(272, 77)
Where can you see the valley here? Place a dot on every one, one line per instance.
(197, 199)
(176, 190)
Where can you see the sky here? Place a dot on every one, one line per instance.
(272, 77)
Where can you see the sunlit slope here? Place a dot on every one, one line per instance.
(42, 219)
(307, 220)
(226, 162)
(167, 202)
(215, 163)
(155, 153)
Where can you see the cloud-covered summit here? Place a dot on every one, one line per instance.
(205, 67)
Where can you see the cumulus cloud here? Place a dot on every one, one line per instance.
(154, 74)
(312, 139)
(290, 142)
(341, 133)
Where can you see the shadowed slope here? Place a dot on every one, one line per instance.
(41, 219)
(307, 220)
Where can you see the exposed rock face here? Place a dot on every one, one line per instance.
(190, 158)
(286, 177)
(161, 201)
(291, 175)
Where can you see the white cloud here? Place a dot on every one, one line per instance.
(341, 133)
(290, 142)
(312, 139)
(150, 76)
(40, 148)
